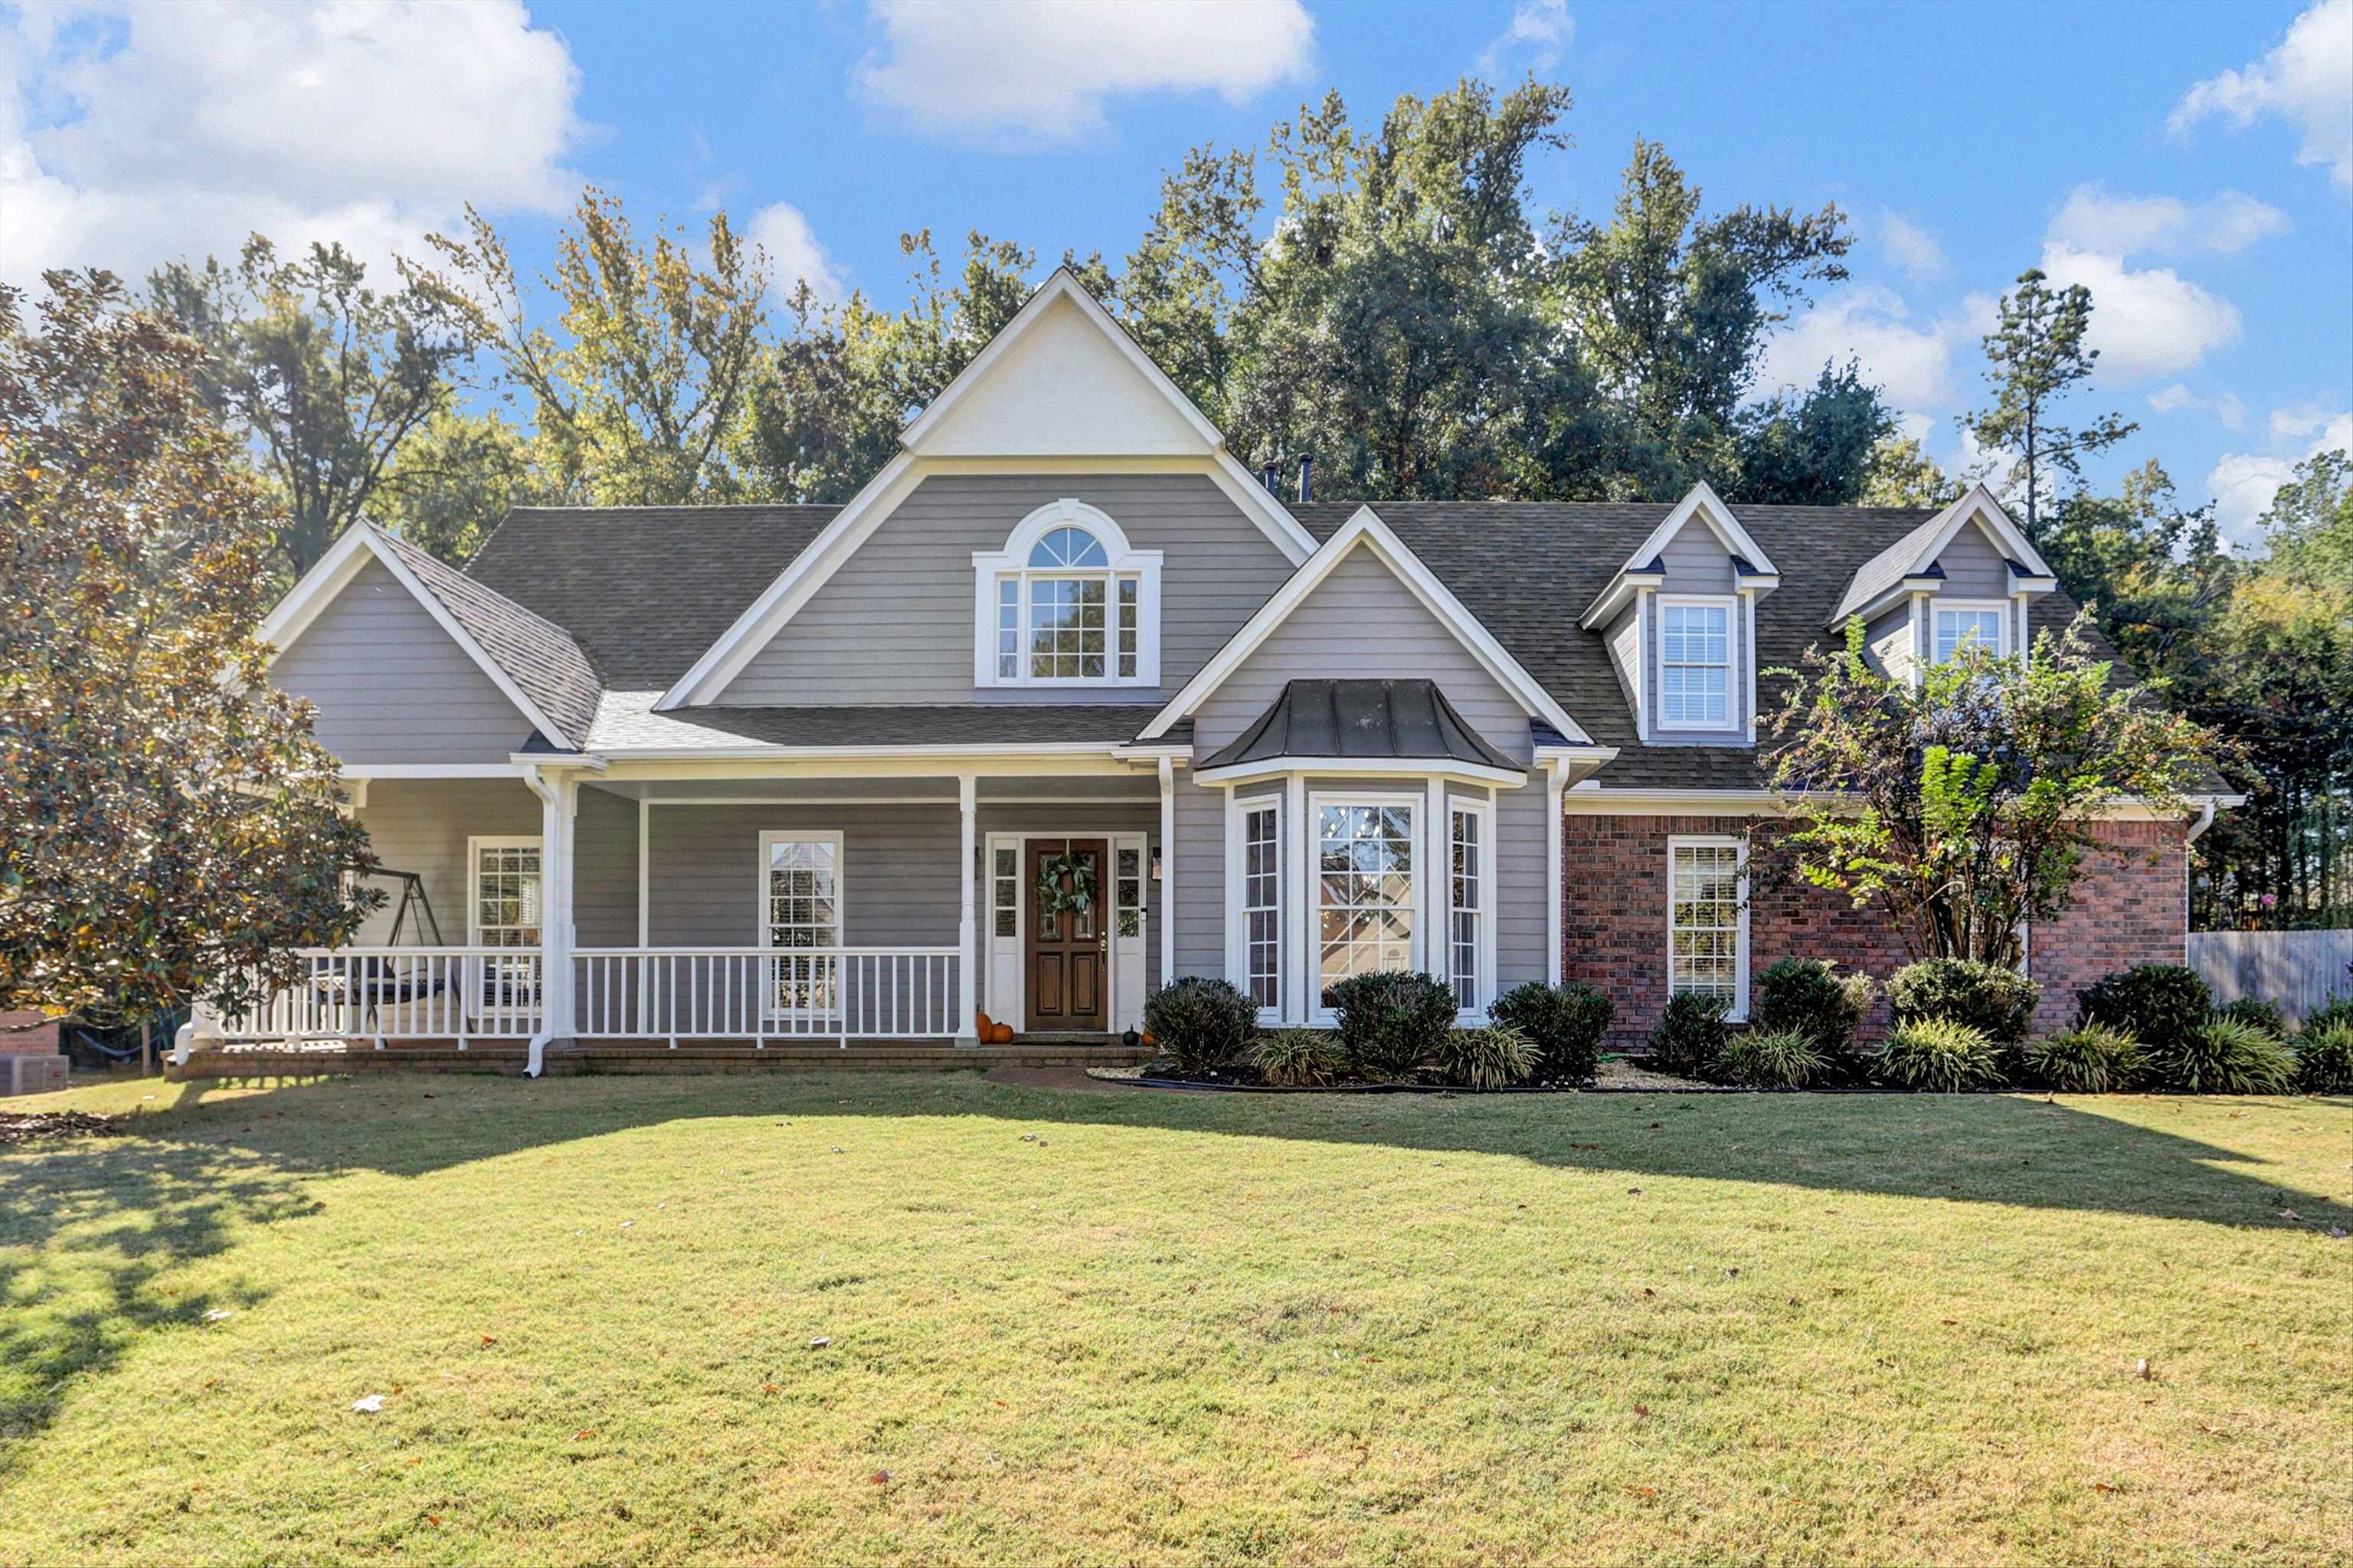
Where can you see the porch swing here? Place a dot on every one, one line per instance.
(377, 981)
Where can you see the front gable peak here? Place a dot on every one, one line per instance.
(1752, 567)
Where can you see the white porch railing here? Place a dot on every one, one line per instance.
(762, 994)
(398, 993)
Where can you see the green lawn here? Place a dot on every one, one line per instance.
(1127, 1328)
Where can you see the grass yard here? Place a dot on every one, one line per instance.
(930, 1320)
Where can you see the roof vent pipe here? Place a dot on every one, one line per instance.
(1306, 467)
(1270, 475)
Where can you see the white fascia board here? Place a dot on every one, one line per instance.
(1622, 588)
(334, 573)
(1366, 528)
(1980, 507)
(825, 753)
(1062, 285)
(723, 660)
(1706, 505)
(1373, 767)
(1904, 589)
(513, 768)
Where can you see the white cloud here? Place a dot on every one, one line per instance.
(2096, 219)
(1911, 247)
(2145, 324)
(2307, 80)
(1042, 70)
(1540, 32)
(2244, 482)
(1911, 362)
(2226, 407)
(135, 132)
(795, 255)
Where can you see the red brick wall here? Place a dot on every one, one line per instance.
(2129, 908)
(41, 1041)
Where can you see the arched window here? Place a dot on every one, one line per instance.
(1067, 602)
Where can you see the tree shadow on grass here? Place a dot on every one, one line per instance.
(2003, 1150)
(89, 1229)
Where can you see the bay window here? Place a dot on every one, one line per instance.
(1365, 893)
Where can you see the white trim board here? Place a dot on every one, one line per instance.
(307, 599)
(1367, 529)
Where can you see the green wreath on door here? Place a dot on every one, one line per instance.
(1054, 897)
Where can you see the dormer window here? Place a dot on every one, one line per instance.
(1695, 663)
(1067, 603)
(1960, 625)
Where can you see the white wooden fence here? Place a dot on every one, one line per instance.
(2297, 971)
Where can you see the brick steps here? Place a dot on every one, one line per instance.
(654, 1058)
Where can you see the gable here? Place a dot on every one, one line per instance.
(1064, 389)
(1974, 564)
(1361, 622)
(893, 623)
(390, 685)
(1696, 561)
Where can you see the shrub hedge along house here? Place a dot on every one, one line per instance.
(1068, 701)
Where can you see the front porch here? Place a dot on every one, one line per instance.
(600, 919)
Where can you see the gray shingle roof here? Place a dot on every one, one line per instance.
(645, 590)
(1405, 720)
(541, 659)
(1883, 570)
(1528, 569)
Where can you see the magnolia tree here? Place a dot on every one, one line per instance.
(169, 829)
(1963, 805)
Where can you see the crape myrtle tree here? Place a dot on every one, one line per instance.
(169, 829)
(1963, 805)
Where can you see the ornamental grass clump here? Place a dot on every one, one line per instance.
(1299, 1058)
(1201, 1024)
(1812, 998)
(2263, 1015)
(2323, 1059)
(1689, 1036)
(1494, 1058)
(1390, 1022)
(2093, 1060)
(1565, 1022)
(1773, 1059)
(2223, 1057)
(1997, 1003)
(1941, 1055)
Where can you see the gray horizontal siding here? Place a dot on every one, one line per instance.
(392, 686)
(1973, 568)
(894, 625)
(604, 870)
(421, 825)
(1696, 561)
(898, 876)
(1521, 951)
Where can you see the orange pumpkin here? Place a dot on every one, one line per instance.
(1002, 1034)
(984, 1027)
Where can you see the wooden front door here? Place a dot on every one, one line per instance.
(1068, 953)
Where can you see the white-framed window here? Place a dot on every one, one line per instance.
(800, 919)
(1067, 603)
(1695, 676)
(1364, 891)
(1128, 889)
(502, 902)
(1982, 623)
(1469, 900)
(1261, 910)
(1707, 918)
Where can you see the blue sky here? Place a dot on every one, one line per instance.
(2192, 161)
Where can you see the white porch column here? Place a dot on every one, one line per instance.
(1556, 875)
(1167, 870)
(559, 799)
(967, 918)
(1301, 954)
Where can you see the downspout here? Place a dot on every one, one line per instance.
(2204, 819)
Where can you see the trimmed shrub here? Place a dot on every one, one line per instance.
(2324, 1060)
(1811, 997)
(1298, 1058)
(2225, 1057)
(1689, 1036)
(1201, 1024)
(1941, 1054)
(1490, 1058)
(1565, 1022)
(1997, 1003)
(1392, 1022)
(2261, 1014)
(1773, 1059)
(2338, 1010)
(2160, 1005)
(2093, 1060)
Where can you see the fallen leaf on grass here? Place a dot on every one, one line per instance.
(217, 1314)
(767, 1388)
(2143, 1370)
(820, 1342)
(368, 1404)
(882, 1478)
(1644, 1492)
(489, 1340)
(1642, 1410)
(584, 1434)
(2102, 1487)
(1633, 1192)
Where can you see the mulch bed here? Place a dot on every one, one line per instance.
(49, 1127)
